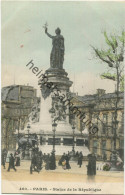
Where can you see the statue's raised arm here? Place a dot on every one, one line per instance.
(46, 31)
(58, 49)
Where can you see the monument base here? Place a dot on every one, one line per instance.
(62, 138)
(60, 149)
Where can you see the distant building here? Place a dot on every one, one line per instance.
(99, 108)
(20, 104)
(17, 103)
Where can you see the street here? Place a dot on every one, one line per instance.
(75, 174)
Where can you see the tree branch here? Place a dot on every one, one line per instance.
(101, 58)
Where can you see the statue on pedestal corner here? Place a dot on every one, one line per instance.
(57, 53)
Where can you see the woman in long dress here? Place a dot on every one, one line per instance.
(47, 166)
(57, 53)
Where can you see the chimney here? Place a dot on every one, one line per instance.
(100, 92)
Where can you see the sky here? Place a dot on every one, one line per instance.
(82, 24)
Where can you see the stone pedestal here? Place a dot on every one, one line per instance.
(59, 82)
(58, 78)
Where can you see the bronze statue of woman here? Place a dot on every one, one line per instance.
(57, 53)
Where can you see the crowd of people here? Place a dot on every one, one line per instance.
(14, 160)
(38, 158)
(48, 161)
(64, 161)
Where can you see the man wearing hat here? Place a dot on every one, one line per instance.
(11, 163)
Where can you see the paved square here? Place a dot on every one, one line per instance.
(75, 174)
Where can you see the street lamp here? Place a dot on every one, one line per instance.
(54, 125)
(73, 147)
(114, 154)
(27, 154)
(115, 126)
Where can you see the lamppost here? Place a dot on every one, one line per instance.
(27, 154)
(114, 154)
(73, 147)
(115, 126)
(54, 125)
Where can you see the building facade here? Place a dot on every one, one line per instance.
(18, 107)
(17, 103)
(100, 110)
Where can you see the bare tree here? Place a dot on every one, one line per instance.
(113, 56)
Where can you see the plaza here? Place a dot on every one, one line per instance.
(75, 174)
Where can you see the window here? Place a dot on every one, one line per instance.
(86, 143)
(103, 147)
(79, 142)
(56, 140)
(50, 141)
(95, 119)
(95, 146)
(121, 130)
(122, 144)
(68, 141)
(105, 118)
(105, 123)
(113, 119)
(113, 116)
(112, 145)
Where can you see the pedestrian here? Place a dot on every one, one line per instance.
(94, 163)
(52, 161)
(47, 162)
(90, 166)
(11, 163)
(119, 162)
(44, 157)
(33, 163)
(77, 154)
(62, 159)
(41, 160)
(69, 154)
(38, 163)
(40, 153)
(17, 161)
(23, 154)
(64, 164)
(67, 162)
(3, 159)
(80, 158)
(17, 158)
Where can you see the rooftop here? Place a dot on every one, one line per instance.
(12, 92)
(89, 98)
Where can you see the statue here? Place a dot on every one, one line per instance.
(57, 53)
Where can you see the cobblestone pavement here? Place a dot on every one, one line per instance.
(75, 174)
